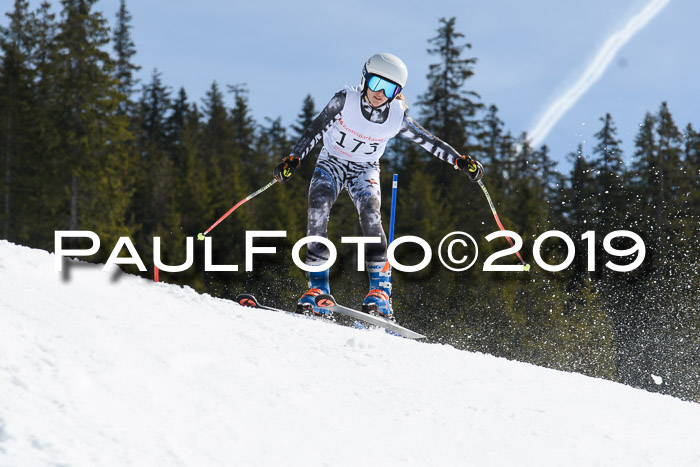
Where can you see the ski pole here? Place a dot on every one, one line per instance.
(392, 218)
(249, 197)
(498, 221)
(394, 188)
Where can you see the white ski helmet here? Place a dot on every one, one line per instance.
(387, 66)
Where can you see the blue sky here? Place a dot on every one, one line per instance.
(529, 53)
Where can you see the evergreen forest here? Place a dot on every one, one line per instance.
(85, 146)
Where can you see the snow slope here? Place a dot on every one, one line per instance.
(105, 370)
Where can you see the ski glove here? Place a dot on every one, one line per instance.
(471, 167)
(285, 169)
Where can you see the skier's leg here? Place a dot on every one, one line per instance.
(323, 192)
(366, 194)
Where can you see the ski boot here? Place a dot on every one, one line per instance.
(378, 300)
(318, 284)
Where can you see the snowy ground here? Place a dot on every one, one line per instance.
(104, 370)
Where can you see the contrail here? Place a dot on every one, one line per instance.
(594, 70)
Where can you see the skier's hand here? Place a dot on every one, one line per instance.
(470, 167)
(285, 169)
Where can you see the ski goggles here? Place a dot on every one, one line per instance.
(376, 83)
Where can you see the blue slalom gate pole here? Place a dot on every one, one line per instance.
(394, 188)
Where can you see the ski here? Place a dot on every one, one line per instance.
(249, 300)
(246, 299)
(327, 301)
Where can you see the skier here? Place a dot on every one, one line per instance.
(356, 125)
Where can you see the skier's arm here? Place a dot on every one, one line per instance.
(312, 135)
(314, 132)
(412, 130)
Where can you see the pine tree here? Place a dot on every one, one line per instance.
(671, 180)
(16, 80)
(659, 182)
(692, 149)
(192, 192)
(277, 212)
(527, 204)
(228, 182)
(491, 139)
(124, 49)
(157, 184)
(552, 180)
(194, 195)
(92, 149)
(249, 167)
(611, 196)
(216, 145)
(692, 172)
(244, 129)
(642, 180)
(40, 197)
(580, 214)
(582, 207)
(610, 171)
(307, 115)
(155, 106)
(449, 110)
(175, 125)
(150, 145)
